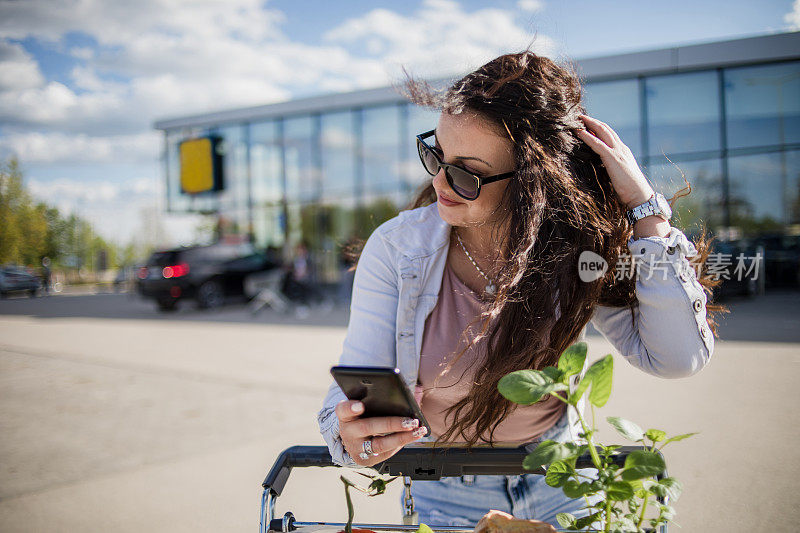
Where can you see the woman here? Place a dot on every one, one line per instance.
(481, 278)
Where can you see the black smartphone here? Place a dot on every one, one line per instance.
(381, 389)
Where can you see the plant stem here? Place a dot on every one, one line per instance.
(350, 511)
(595, 460)
(592, 450)
(644, 506)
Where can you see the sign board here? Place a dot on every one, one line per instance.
(201, 165)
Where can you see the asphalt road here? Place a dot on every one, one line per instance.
(114, 417)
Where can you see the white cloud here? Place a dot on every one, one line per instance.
(439, 39)
(792, 18)
(56, 147)
(532, 6)
(18, 69)
(77, 190)
(188, 57)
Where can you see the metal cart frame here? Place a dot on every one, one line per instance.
(416, 463)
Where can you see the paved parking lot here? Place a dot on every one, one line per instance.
(115, 417)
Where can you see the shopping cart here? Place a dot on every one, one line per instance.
(413, 463)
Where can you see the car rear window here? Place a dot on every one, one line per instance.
(163, 259)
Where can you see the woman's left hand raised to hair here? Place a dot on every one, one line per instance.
(627, 178)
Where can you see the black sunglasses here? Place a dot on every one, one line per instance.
(464, 183)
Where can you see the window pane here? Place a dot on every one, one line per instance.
(265, 157)
(301, 182)
(268, 229)
(234, 196)
(683, 113)
(764, 191)
(338, 145)
(704, 204)
(337, 227)
(617, 104)
(763, 105)
(381, 129)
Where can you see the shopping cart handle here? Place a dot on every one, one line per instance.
(420, 462)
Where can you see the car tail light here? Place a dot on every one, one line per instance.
(175, 271)
(143, 271)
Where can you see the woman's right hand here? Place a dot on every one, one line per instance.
(388, 433)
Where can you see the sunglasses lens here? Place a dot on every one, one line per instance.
(463, 183)
(428, 159)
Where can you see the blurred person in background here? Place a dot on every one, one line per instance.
(46, 275)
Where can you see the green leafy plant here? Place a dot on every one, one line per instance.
(625, 491)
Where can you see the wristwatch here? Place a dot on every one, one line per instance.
(656, 205)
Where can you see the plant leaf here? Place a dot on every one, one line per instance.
(673, 486)
(656, 435)
(601, 371)
(557, 474)
(566, 520)
(667, 512)
(619, 491)
(547, 452)
(641, 464)
(679, 437)
(586, 521)
(599, 377)
(573, 489)
(553, 373)
(572, 360)
(626, 428)
(525, 387)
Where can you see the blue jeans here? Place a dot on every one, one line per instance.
(463, 500)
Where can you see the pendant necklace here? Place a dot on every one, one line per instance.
(490, 286)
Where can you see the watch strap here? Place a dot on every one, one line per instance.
(645, 209)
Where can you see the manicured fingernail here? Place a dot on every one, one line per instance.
(420, 432)
(357, 407)
(409, 423)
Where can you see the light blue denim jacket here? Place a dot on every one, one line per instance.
(397, 284)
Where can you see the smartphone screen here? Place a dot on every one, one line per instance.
(381, 389)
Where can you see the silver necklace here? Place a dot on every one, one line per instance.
(490, 286)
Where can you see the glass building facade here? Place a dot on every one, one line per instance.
(322, 170)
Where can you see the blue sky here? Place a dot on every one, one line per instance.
(82, 81)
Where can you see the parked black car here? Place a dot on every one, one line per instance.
(782, 254)
(208, 274)
(17, 279)
(741, 282)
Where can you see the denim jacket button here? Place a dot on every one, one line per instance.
(697, 304)
(671, 250)
(704, 330)
(683, 276)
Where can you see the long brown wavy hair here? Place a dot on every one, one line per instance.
(560, 203)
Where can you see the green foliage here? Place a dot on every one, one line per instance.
(527, 387)
(30, 231)
(624, 491)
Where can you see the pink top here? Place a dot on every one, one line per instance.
(456, 307)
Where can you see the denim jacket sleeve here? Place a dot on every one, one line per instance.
(668, 336)
(370, 338)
